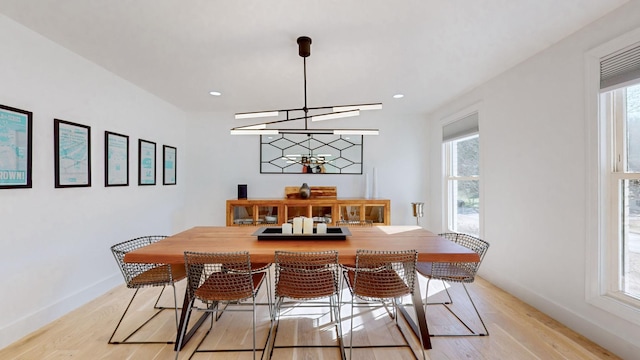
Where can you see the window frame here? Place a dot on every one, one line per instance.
(449, 181)
(447, 163)
(602, 263)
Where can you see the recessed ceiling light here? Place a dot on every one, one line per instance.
(215, 93)
(398, 96)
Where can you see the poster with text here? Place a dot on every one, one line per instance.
(169, 160)
(116, 159)
(146, 162)
(72, 154)
(15, 148)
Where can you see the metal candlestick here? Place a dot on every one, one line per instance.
(417, 211)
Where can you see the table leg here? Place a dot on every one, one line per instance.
(421, 328)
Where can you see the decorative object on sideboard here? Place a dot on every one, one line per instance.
(305, 191)
(242, 191)
(367, 186)
(316, 192)
(417, 211)
(317, 113)
(374, 184)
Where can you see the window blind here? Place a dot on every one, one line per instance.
(620, 68)
(466, 126)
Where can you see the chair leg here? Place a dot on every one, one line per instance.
(254, 327)
(393, 312)
(175, 306)
(335, 316)
(486, 331)
(124, 341)
(446, 306)
(446, 289)
(351, 330)
(273, 330)
(269, 298)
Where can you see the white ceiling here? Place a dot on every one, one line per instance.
(363, 51)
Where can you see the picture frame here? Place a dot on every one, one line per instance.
(116, 159)
(146, 162)
(16, 155)
(72, 154)
(169, 161)
(311, 154)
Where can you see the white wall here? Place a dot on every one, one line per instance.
(55, 242)
(533, 136)
(222, 161)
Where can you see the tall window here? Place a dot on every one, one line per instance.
(620, 115)
(621, 110)
(461, 171)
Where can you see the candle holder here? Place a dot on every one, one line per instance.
(417, 211)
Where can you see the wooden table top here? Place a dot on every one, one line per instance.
(430, 246)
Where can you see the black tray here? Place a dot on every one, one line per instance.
(275, 233)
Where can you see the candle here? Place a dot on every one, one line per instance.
(321, 228)
(307, 226)
(287, 228)
(297, 225)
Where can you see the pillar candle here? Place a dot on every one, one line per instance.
(297, 225)
(287, 228)
(307, 226)
(322, 228)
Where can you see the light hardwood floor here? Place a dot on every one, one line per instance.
(517, 331)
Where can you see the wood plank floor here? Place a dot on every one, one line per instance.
(517, 331)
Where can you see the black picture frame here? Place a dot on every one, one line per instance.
(16, 155)
(311, 154)
(116, 159)
(72, 154)
(169, 165)
(146, 162)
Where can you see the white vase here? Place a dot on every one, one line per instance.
(367, 186)
(374, 186)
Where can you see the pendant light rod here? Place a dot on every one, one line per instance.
(306, 109)
(304, 50)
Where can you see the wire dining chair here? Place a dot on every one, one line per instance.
(221, 281)
(456, 272)
(139, 275)
(303, 278)
(384, 277)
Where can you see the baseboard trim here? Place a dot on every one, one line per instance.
(612, 341)
(34, 321)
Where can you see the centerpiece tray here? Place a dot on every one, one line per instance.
(275, 233)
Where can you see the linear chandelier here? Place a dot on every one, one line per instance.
(334, 112)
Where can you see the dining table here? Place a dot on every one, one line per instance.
(429, 246)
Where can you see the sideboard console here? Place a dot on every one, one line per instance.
(261, 212)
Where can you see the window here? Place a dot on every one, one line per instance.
(621, 112)
(461, 171)
(613, 177)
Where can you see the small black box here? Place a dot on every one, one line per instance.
(242, 191)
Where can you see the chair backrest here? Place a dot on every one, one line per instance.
(470, 242)
(364, 223)
(131, 271)
(219, 276)
(306, 275)
(383, 275)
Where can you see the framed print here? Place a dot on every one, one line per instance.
(169, 157)
(116, 159)
(72, 148)
(15, 147)
(146, 162)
